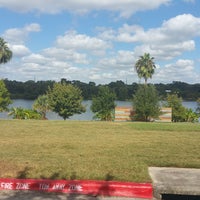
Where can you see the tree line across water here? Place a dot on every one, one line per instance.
(65, 98)
(32, 89)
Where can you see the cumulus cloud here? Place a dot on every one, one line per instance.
(78, 56)
(165, 51)
(107, 34)
(65, 55)
(182, 27)
(19, 35)
(19, 50)
(122, 59)
(16, 38)
(125, 7)
(168, 41)
(80, 42)
(177, 71)
(73, 40)
(36, 58)
(179, 28)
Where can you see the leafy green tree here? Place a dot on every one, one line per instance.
(145, 67)
(4, 97)
(41, 104)
(146, 103)
(65, 99)
(5, 52)
(178, 110)
(120, 89)
(103, 104)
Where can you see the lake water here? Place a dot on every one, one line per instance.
(87, 116)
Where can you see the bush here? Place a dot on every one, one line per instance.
(179, 112)
(103, 104)
(191, 116)
(22, 113)
(146, 103)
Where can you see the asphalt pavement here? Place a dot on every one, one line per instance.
(33, 195)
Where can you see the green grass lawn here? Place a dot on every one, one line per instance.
(95, 150)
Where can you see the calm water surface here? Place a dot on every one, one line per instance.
(88, 115)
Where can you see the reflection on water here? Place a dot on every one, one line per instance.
(88, 115)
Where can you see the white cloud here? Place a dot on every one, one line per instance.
(95, 77)
(182, 27)
(78, 56)
(19, 35)
(125, 7)
(181, 70)
(65, 55)
(73, 40)
(165, 51)
(107, 34)
(19, 50)
(122, 59)
(36, 58)
(177, 29)
(166, 42)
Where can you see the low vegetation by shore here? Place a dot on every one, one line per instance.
(95, 150)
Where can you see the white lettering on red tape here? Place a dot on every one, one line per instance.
(106, 188)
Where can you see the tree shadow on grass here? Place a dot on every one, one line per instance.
(24, 173)
(105, 189)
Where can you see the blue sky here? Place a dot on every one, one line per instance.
(100, 41)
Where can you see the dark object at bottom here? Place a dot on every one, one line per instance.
(179, 197)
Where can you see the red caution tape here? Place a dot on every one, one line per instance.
(104, 188)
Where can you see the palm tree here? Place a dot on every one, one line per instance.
(5, 52)
(18, 113)
(145, 67)
(41, 105)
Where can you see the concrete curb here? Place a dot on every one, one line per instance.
(81, 187)
(175, 181)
